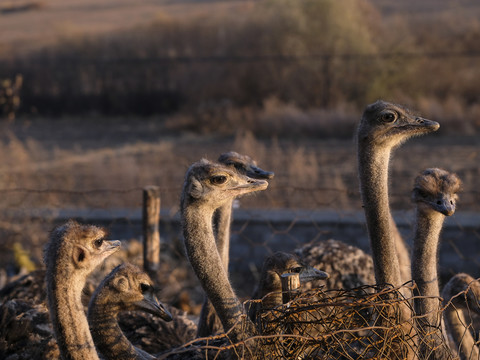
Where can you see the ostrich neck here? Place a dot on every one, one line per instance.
(424, 272)
(107, 335)
(222, 220)
(456, 325)
(68, 316)
(424, 269)
(205, 260)
(373, 168)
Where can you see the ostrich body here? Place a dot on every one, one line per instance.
(26, 331)
(383, 127)
(209, 323)
(435, 196)
(207, 187)
(461, 295)
(153, 334)
(125, 288)
(347, 266)
(72, 253)
(270, 289)
(29, 287)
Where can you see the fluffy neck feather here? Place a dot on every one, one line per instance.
(107, 335)
(222, 220)
(373, 168)
(424, 269)
(424, 272)
(64, 286)
(205, 260)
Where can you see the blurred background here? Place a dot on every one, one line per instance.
(100, 99)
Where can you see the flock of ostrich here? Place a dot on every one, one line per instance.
(53, 323)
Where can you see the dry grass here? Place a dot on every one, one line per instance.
(123, 154)
(37, 24)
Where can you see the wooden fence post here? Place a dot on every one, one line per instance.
(151, 234)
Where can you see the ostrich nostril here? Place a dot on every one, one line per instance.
(439, 202)
(419, 120)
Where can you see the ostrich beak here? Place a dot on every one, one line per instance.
(113, 245)
(257, 173)
(151, 305)
(416, 126)
(109, 247)
(445, 206)
(423, 125)
(250, 186)
(309, 273)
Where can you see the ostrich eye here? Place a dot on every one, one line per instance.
(218, 180)
(144, 288)
(389, 117)
(98, 243)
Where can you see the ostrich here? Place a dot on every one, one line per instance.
(461, 294)
(209, 323)
(269, 289)
(125, 288)
(435, 196)
(383, 127)
(72, 253)
(207, 187)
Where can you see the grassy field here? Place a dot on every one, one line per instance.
(28, 25)
(46, 22)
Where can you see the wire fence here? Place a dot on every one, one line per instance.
(361, 323)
